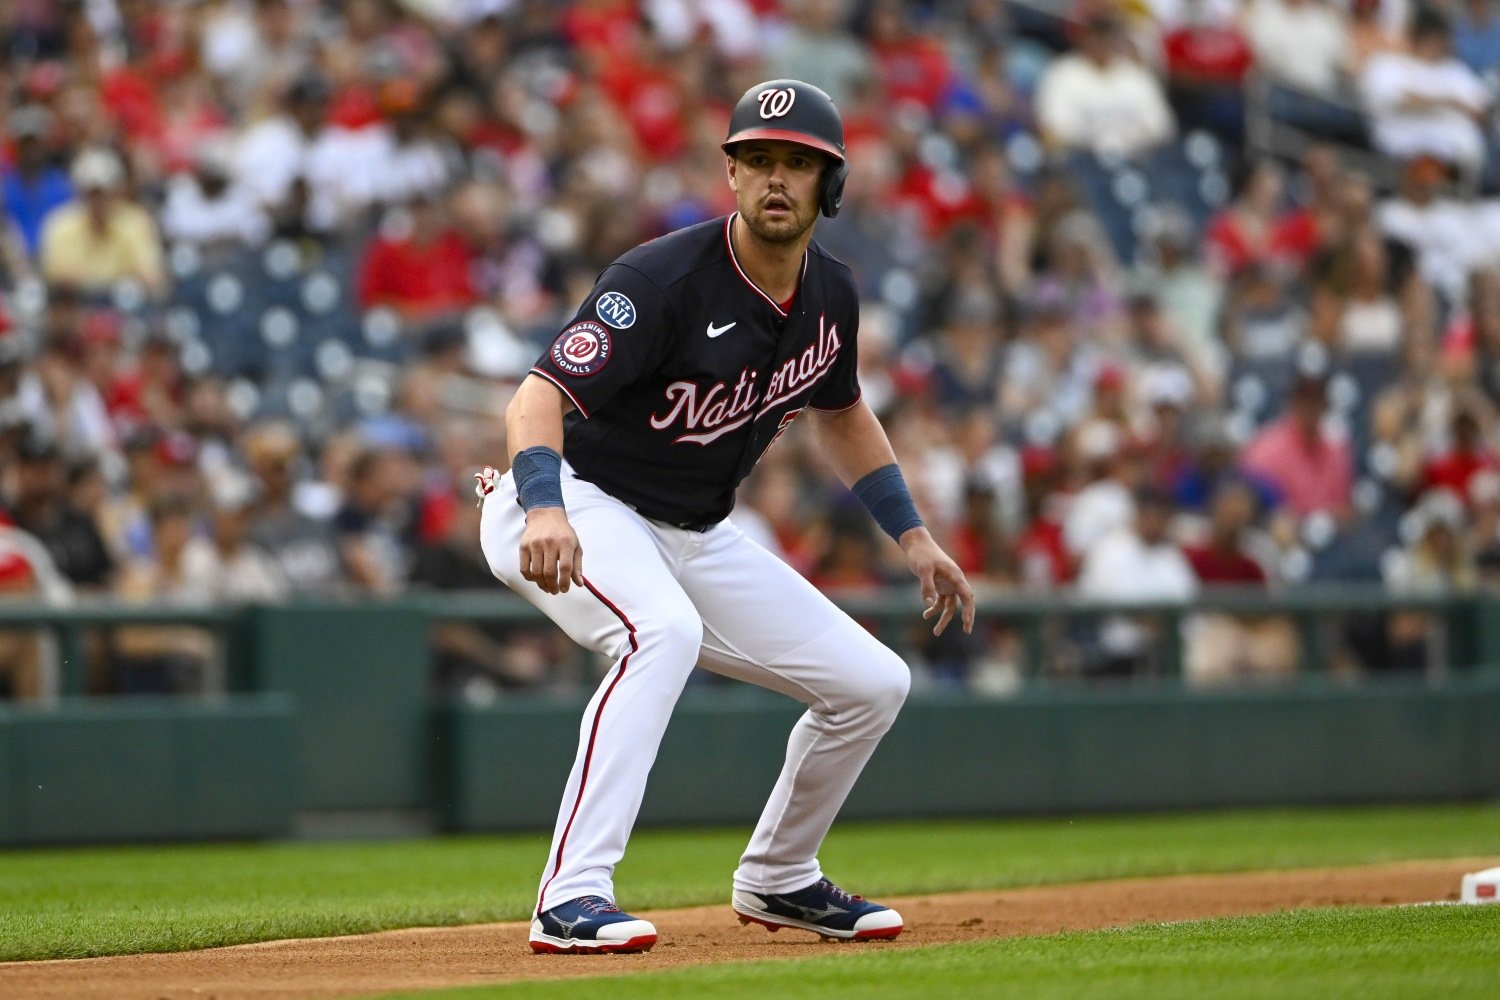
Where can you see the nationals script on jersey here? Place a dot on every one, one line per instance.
(683, 372)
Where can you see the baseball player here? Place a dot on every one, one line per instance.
(689, 358)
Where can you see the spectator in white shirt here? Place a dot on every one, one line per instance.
(1426, 102)
(1100, 100)
(1299, 42)
(1136, 563)
(301, 170)
(206, 208)
(1105, 505)
(1447, 236)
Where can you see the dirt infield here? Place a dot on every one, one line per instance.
(490, 953)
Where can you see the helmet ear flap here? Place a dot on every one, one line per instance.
(831, 188)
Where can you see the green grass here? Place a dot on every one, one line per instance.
(80, 902)
(1434, 951)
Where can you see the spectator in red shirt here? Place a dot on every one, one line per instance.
(911, 66)
(1207, 61)
(1254, 230)
(418, 265)
(1226, 648)
(1470, 454)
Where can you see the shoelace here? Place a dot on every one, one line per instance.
(598, 905)
(839, 894)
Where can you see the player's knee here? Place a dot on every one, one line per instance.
(889, 685)
(675, 632)
(881, 689)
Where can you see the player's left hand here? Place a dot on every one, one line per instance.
(945, 589)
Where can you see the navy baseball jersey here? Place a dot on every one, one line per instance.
(683, 372)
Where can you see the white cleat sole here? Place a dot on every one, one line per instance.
(883, 925)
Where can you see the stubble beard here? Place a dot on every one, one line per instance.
(789, 231)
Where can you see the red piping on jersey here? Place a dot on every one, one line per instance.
(588, 754)
(736, 262)
(565, 390)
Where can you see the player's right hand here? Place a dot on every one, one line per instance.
(551, 557)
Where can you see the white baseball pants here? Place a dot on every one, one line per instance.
(660, 600)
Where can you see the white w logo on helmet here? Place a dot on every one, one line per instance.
(776, 102)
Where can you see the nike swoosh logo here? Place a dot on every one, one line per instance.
(714, 331)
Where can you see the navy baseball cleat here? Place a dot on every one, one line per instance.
(822, 908)
(589, 925)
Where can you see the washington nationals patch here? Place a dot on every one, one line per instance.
(581, 349)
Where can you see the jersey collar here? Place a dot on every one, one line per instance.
(729, 244)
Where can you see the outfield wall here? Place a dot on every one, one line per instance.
(1161, 749)
(329, 711)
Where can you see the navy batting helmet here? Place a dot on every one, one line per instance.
(793, 111)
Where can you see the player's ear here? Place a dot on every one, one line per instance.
(729, 165)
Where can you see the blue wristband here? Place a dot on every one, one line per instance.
(885, 496)
(538, 475)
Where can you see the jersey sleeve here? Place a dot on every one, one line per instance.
(840, 390)
(619, 334)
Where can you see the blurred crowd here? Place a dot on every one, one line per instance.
(272, 268)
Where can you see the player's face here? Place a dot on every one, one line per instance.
(776, 187)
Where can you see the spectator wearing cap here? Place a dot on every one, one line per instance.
(39, 505)
(1310, 466)
(1223, 648)
(1137, 561)
(33, 184)
(103, 238)
(1427, 102)
(303, 547)
(1299, 42)
(1099, 100)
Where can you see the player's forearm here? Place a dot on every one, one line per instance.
(535, 416)
(852, 441)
